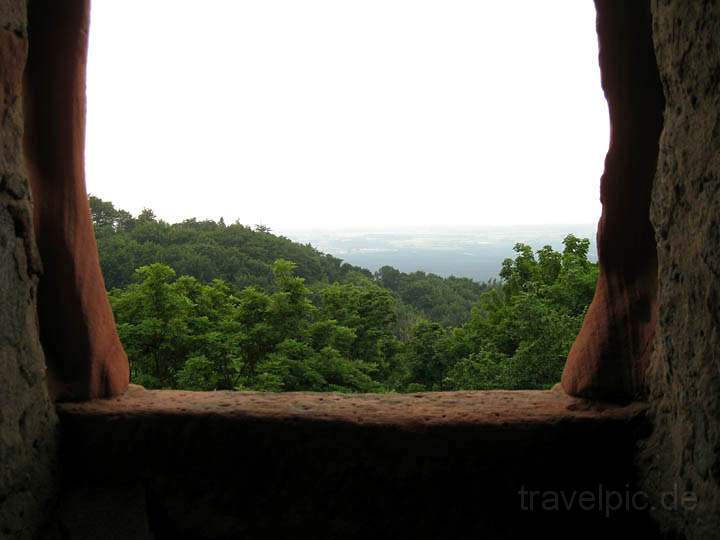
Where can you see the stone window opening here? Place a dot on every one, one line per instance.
(209, 466)
(84, 356)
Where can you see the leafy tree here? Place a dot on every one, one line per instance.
(106, 217)
(480, 371)
(198, 373)
(152, 323)
(251, 310)
(428, 355)
(521, 333)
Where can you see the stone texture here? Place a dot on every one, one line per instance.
(93, 510)
(684, 377)
(13, 15)
(27, 417)
(612, 350)
(497, 409)
(222, 465)
(78, 332)
(227, 465)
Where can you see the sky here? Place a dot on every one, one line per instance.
(344, 114)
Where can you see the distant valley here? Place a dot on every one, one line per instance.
(473, 252)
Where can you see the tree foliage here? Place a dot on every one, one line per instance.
(245, 309)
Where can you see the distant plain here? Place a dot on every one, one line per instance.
(474, 252)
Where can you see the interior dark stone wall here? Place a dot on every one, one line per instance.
(656, 307)
(683, 453)
(27, 417)
(612, 351)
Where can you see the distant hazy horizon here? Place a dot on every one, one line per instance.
(336, 115)
(474, 252)
(390, 229)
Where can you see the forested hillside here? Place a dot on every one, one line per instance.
(242, 256)
(204, 305)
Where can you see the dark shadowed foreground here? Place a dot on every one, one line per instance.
(432, 465)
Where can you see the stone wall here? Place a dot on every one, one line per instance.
(683, 454)
(610, 355)
(77, 328)
(683, 295)
(27, 417)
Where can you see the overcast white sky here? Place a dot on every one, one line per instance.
(341, 114)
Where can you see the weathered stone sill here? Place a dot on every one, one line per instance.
(490, 409)
(222, 465)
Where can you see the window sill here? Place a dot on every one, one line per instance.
(255, 465)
